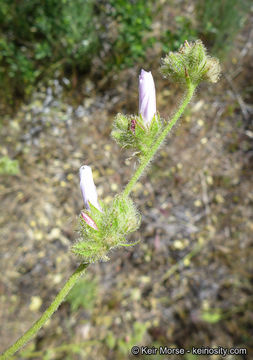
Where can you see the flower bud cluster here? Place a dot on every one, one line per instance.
(131, 132)
(139, 132)
(102, 227)
(191, 64)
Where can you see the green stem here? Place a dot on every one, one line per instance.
(148, 157)
(29, 334)
(47, 314)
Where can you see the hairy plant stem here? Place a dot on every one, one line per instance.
(148, 157)
(30, 333)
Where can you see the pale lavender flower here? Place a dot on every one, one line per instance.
(88, 187)
(147, 98)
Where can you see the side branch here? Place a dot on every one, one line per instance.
(148, 157)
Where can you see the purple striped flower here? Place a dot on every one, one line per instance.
(147, 98)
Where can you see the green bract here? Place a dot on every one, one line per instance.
(115, 222)
(191, 64)
(131, 132)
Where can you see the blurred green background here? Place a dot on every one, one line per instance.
(38, 37)
(66, 68)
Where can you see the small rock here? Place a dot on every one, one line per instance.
(35, 303)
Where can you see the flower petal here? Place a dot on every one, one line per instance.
(147, 96)
(88, 187)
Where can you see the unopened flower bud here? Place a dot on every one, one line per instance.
(88, 187)
(191, 64)
(147, 97)
(89, 221)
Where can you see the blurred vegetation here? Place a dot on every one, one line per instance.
(83, 295)
(36, 38)
(67, 350)
(133, 23)
(172, 39)
(8, 166)
(220, 21)
(134, 338)
(40, 36)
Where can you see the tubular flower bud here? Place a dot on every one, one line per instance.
(147, 98)
(88, 187)
(89, 220)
